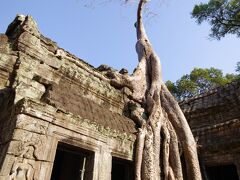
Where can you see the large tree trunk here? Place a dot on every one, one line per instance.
(163, 131)
(161, 123)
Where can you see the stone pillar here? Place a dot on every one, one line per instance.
(30, 152)
(105, 164)
(95, 169)
(6, 166)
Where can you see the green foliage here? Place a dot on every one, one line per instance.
(223, 16)
(238, 68)
(200, 80)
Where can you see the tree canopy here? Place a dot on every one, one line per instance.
(223, 16)
(200, 80)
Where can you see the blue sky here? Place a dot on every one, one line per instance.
(103, 33)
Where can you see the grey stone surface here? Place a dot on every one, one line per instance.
(49, 96)
(215, 121)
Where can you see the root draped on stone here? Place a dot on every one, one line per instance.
(162, 127)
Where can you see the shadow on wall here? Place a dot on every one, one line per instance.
(7, 96)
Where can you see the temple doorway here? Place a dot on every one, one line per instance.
(222, 172)
(122, 169)
(72, 163)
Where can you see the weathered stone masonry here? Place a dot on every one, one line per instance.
(49, 97)
(214, 118)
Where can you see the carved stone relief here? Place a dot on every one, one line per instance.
(31, 124)
(28, 145)
(22, 170)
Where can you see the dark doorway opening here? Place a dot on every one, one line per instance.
(72, 163)
(223, 172)
(122, 169)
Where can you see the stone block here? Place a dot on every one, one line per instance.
(105, 167)
(4, 177)
(31, 124)
(30, 26)
(7, 165)
(32, 145)
(27, 88)
(27, 168)
(4, 43)
(52, 76)
(7, 61)
(51, 60)
(22, 169)
(45, 171)
(30, 40)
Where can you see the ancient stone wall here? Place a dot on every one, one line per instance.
(215, 121)
(49, 96)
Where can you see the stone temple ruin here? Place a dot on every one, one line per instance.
(60, 118)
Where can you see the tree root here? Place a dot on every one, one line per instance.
(170, 122)
(183, 131)
(161, 123)
(174, 155)
(166, 143)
